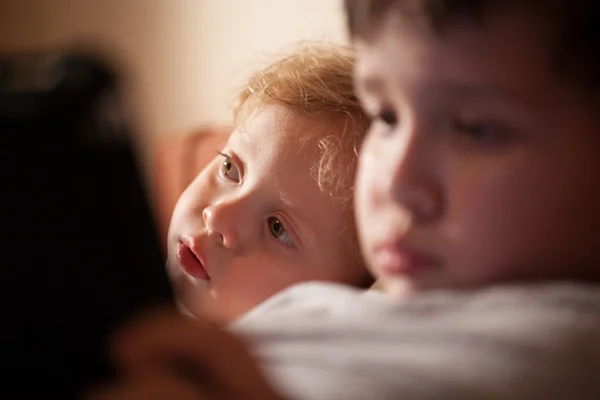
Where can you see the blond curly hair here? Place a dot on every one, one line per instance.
(315, 80)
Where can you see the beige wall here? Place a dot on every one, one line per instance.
(187, 56)
(238, 33)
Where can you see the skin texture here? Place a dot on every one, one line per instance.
(258, 220)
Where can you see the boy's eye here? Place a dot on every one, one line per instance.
(384, 122)
(483, 133)
(388, 117)
(279, 232)
(385, 117)
(229, 170)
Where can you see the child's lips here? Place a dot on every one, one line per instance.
(190, 262)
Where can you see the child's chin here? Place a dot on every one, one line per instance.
(182, 308)
(190, 297)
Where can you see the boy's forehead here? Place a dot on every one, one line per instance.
(508, 52)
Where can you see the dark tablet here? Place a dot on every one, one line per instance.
(78, 245)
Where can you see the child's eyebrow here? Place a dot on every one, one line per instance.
(244, 137)
(245, 140)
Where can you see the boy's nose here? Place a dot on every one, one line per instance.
(412, 181)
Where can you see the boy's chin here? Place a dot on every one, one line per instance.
(397, 287)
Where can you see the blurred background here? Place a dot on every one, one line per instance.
(184, 60)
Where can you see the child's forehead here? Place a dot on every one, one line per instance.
(291, 128)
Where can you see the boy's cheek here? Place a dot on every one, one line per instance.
(509, 227)
(364, 199)
(372, 175)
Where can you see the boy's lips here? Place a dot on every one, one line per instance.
(191, 260)
(397, 259)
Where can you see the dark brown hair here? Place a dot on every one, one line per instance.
(575, 26)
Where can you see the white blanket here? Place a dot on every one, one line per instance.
(327, 342)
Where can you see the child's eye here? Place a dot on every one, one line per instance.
(278, 231)
(228, 169)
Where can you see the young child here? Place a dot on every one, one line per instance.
(274, 206)
(478, 208)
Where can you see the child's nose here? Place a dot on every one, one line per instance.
(222, 220)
